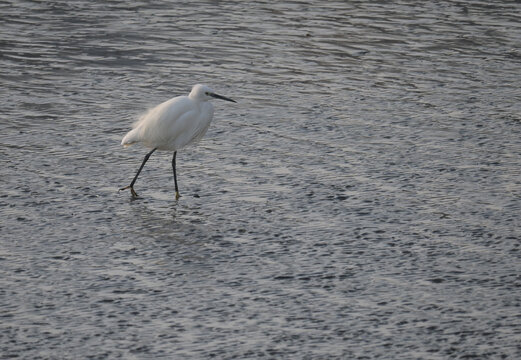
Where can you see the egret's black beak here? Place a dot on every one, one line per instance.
(221, 97)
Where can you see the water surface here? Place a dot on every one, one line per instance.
(362, 199)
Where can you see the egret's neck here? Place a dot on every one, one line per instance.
(196, 98)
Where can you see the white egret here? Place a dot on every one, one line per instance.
(172, 125)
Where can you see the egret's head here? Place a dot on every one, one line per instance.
(204, 93)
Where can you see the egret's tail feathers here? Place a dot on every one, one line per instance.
(130, 138)
(128, 144)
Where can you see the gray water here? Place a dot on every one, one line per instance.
(361, 200)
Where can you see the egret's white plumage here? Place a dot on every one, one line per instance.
(174, 124)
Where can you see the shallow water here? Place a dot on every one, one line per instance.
(362, 199)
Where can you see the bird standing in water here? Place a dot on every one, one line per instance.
(173, 125)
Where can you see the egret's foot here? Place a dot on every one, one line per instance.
(134, 193)
(177, 196)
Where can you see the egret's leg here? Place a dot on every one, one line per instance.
(131, 186)
(177, 196)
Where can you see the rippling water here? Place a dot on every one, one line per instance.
(362, 199)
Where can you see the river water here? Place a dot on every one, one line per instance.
(361, 200)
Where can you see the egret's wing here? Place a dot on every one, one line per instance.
(180, 131)
(173, 124)
(155, 127)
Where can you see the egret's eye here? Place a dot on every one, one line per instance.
(207, 93)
